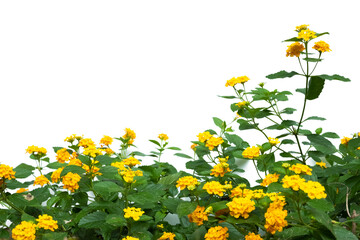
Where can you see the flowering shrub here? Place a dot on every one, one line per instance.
(307, 188)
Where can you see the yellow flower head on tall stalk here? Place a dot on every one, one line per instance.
(306, 35)
(86, 142)
(70, 181)
(62, 155)
(106, 140)
(163, 137)
(36, 150)
(251, 152)
(119, 165)
(301, 27)
(241, 207)
(220, 169)
(270, 178)
(294, 181)
(217, 233)
(322, 46)
(204, 136)
(134, 213)
(55, 176)
(241, 192)
(46, 222)
(213, 142)
(214, 187)
(41, 180)
(273, 141)
(275, 219)
(167, 236)
(6, 172)
(128, 175)
(92, 151)
(295, 49)
(253, 236)
(235, 80)
(131, 162)
(129, 135)
(301, 169)
(188, 182)
(198, 216)
(72, 138)
(313, 190)
(24, 231)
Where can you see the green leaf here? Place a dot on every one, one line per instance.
(73, 169)
(145, 199)
(227, 97)
(182, 155)
(330, 135)
(343, 234)
(287, 141)
(54, 236)
(57, 149)
(292, 232)
(244, 125)
(219, 205)
(316, 85)
(115, 220)
(56, 165)
(174, 148)
(170, 179)
(312, 59)
(23, 170)
(85, 159)
(186, 208)
(282, 74)
(105, 188)
(294, 39)
(288, 110)
(320, 34)
(218, 122)
(4, 234)
(155, 142)
(235, 139)
(301, 90)
(322, 218)
(321, 144)
(333, 77)
(93, 220)
(321, 204)
(315, 118)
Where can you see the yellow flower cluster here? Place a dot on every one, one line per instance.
(198, 216)
(72, 138)
(301, 27)
(273, 141)
(345, 140)
(119, 165)
(220, 169)
(253, 236)
(251, 152)
(167, 236)
(131, 161)
(306, 34)
(36, 150)
(86, 142)
(129, 135)
(293, 181)
(217, 233)
(55, 176)
(6, 172)
(126, 172)
(163, 137)
(301, 169)
(130, 238)
(270, 178)
(203, 137)
(41, 180)
(311, 188)
(214, 187)
(241, 206)
(134, 213)
(295, 49)
(188, 182)
(241, 191)
(24, 231)
(92, 151)
(242, 104)
(106, 140)
(46, 222)
(275, 218)
(62, 155)
(128, 175)
(322, 46)
(235, 80)
(70, 181)
(213, 142)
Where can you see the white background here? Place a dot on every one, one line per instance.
(98, 67)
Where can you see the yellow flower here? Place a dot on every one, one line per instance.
(301, 169)
(93, 170)
(193, 146)
(294, 182)
(41, 180)
(213, 142)
(275, 219)
(106, 140)
(92, 151)
(86, 142)
(241, 191)
(214, 187)
(295, 49)
(128, 175)
(70, 181)
(119, 165)
(129, 135)
(198, 216)
(286, 165)
(314, 190)
(306, 34)
(273, 141)
(217, 233)
(134, 213)
(130, 238)
(257, 194)
(46, 222)
(6, 172)
(36, 150)
(55, 176)
(72, 138)
(21, 190)
(167, 236)
(160, 226)
(188, 182)
(235, 80)
(241, 207)
(62, 155)
(322, 46)
(220, 169)
(345, 140)
(131, 161)
(163, 137)
(74, 160)
(301, 27)
(270, 178)
(242, 104)
(24, 231)
(251, 152)
(321, 164)
(253, 236)
(204, 136)
(108, 151)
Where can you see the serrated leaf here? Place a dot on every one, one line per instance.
(282, 74)
(186, 208)
(343, 234)
(23, 170)
(292, 232)
(321, 204)
(106, 187)
(93, 220)
(322, 218)
(316, 85)
(334, 77)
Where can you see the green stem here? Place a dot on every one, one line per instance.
(257, 169)
(3, 196)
